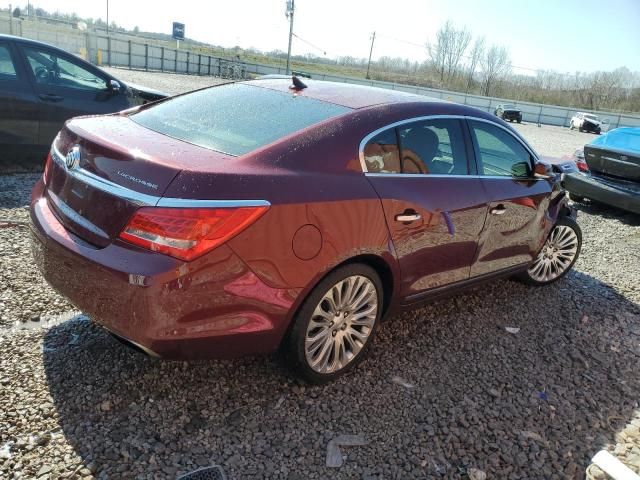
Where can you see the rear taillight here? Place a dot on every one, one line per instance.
(582, 166)
(187, 233)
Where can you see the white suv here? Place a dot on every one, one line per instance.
(585, 122)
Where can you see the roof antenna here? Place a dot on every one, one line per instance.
(297, 84)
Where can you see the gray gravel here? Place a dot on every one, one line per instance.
(446, 393)
(171, 83)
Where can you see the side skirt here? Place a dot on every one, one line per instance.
(448, 290)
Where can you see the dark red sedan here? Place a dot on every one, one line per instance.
(237, 219)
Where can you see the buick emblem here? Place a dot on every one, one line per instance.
(72, 160)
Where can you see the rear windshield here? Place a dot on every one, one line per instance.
(235, 118)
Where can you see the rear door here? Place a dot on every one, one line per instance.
(434, 206)
(18, 111)
(66, 87)
(514, 231)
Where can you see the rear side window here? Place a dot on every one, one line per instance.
(381, 153)
(7, 69)
(433, 147)
(235, 118)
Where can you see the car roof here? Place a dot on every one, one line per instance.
(345, 94)
(13, 38)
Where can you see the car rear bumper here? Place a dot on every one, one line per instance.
(512, 115)
(213, 307)
(590, 187)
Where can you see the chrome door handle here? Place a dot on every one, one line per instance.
(499, 210)
(408, 217)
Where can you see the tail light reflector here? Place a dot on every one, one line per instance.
(582, 166)
(187, 233)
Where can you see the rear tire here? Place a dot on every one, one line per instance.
(336, 324)
(519, 120)
(557, 256)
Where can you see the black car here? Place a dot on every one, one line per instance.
(41, 86)
(508, 111)
(614, 171)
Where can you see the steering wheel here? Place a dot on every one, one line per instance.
(42, 74)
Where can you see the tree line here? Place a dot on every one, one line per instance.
(455, 61)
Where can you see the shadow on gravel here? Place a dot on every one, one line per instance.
(446, 389)
(609, 212)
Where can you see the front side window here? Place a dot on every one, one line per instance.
(7, 69)
(50, 69)
(433, 147)
(499, 152)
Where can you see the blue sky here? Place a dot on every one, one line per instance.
(567, 35)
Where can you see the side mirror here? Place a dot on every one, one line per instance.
(543, 169)
(521, 170)
(113, 86)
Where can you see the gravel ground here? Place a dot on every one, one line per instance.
(171, 83)
(446, 393)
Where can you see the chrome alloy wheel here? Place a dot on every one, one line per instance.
(556, 255)
(341, 324)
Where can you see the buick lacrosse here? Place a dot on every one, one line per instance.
(253, 216)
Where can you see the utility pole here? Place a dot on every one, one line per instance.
(289, 15)
(107, 17)
(373, 39)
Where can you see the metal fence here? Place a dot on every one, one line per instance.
(124, 50)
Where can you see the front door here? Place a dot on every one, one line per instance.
(67, 87)
(18, 114)
(434, 207)
(514, 230)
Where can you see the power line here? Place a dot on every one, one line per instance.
(422, 46)
(310, 44)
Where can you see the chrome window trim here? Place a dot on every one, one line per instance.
(368, 137)
(442, 175)
(145, 200)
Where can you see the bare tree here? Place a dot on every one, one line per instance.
(477, 52)
(495, 65)
(448, 50)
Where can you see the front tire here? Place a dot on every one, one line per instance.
(557, 256)
(336, 324)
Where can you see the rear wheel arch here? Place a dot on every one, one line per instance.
(382, 268)
(379, 265)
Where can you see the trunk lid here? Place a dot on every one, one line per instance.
(613, 162)
(122, 166)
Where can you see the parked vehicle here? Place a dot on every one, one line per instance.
(562, 165)
(578, 159)
(614, 170)
(41, 86)
(586, 122)
(508, 111)
(240, 218)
